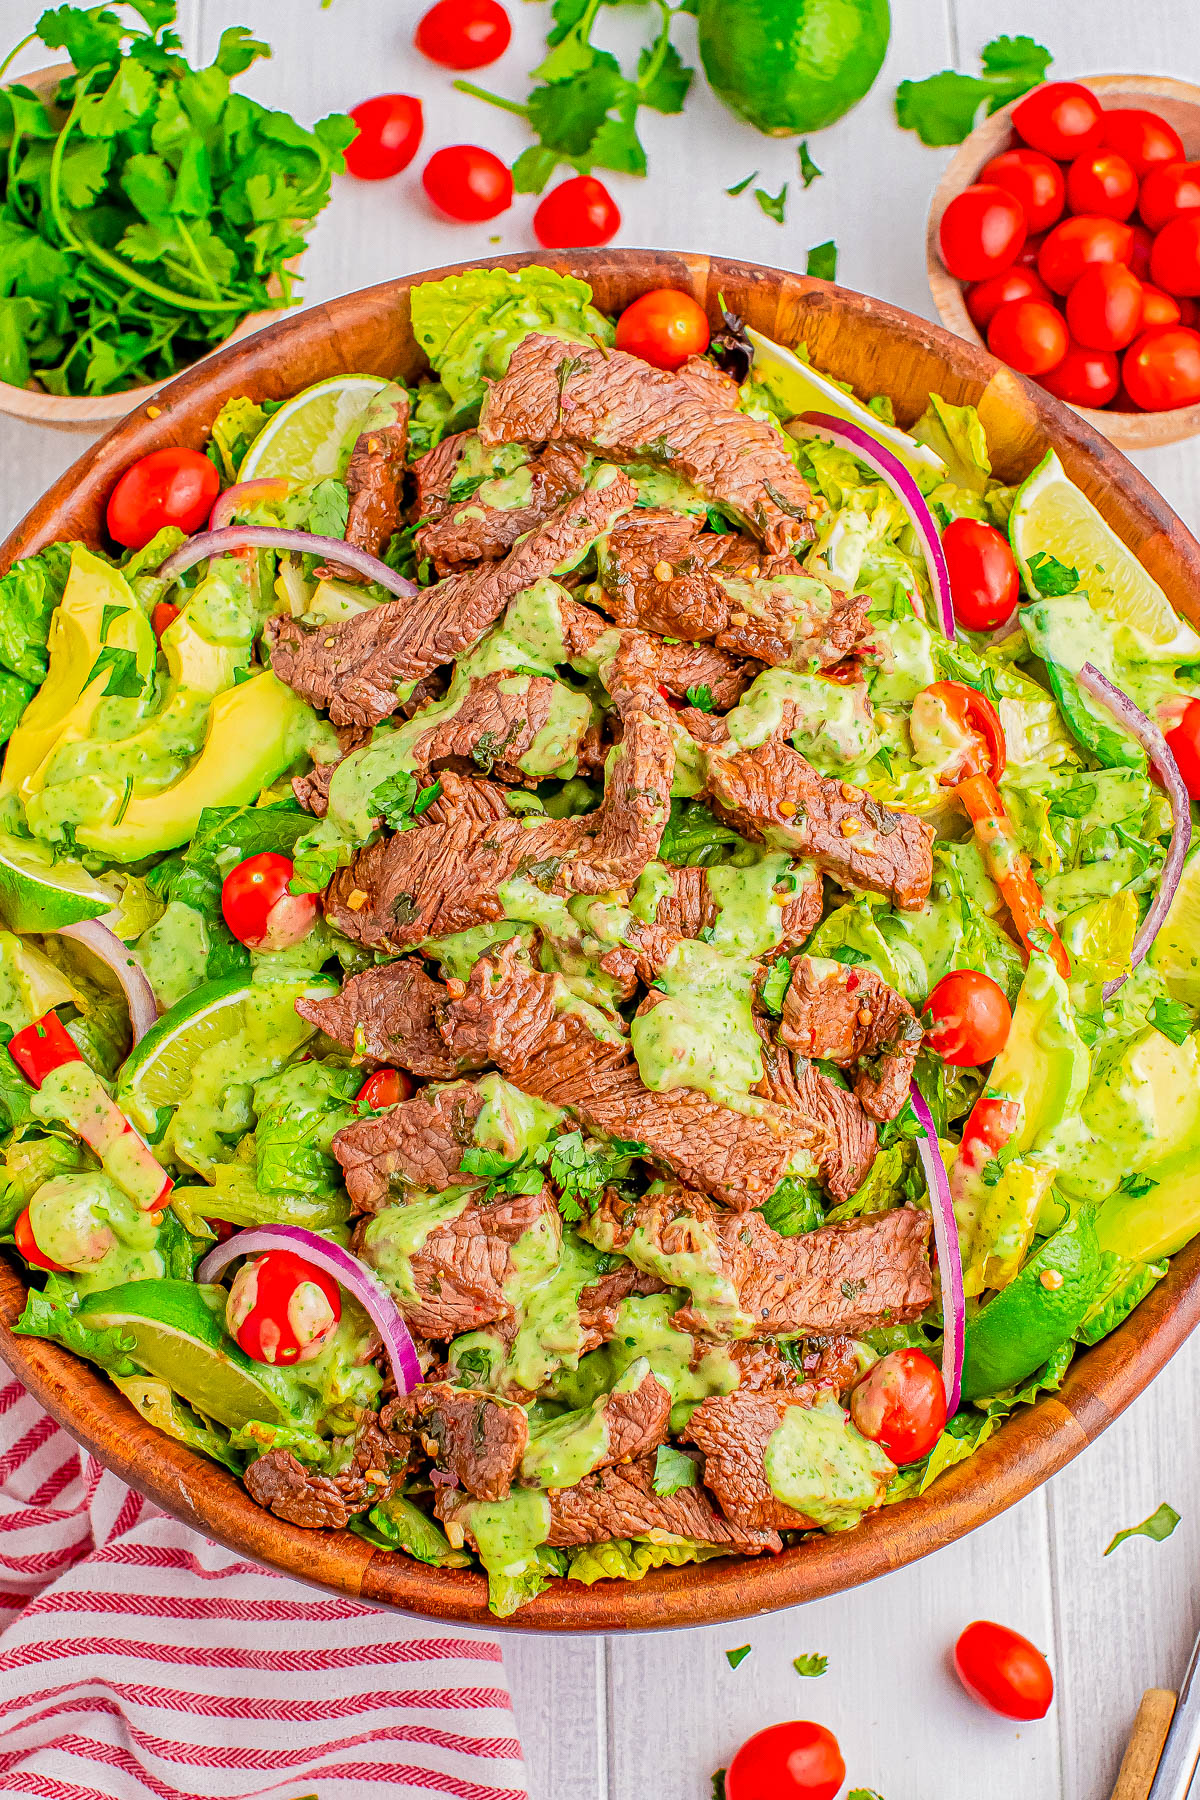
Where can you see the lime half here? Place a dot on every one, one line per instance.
(1050, 514)
(314, 433)
(1013, 1334)
(180, 1339)
(1176, 951)
(43, 892)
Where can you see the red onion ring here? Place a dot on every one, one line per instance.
(269, 537)
(945, 1233)
(139, 995)
(889, 468)
(345, 1269)
(1163, 765)
(243, 494)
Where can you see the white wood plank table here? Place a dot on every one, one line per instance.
(649, 1718)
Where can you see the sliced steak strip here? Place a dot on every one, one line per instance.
(615, 403)
(851, 1140)
(434, 474)
(475, 531)
(355, 666)
(375, 477)
(725, 676)
(389, 1014)
(690, 909)
(849, 1016)
(378, 1460)
(631, 1424)
(477, 1438)
(420, 1142)
(830, 1363)
(497, 722)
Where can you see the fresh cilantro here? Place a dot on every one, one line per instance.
(1136, 1185)
(1158, 1526)
(734, 1657)
(809, 171)
(673, 1470)
(991, 1171)
(125, 678)
(581, 1170)
(400, 800)
(822, 261)
(1172, 1018)
(739, 187)
(795, 1206)
(847, 954)
(464, 487)
(700, 697)
(810, 1664)
(503, 1174)
(1050, 577)
(774, 205)
(718, 1784)
(944, 108)
(773, 991)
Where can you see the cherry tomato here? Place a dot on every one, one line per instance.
(168, 487)
(163, 616)
(981, 232)
(1143, 138)
(389, 135)
(282, 1309)
(1085, 239)
(1062, 119)
(386, 1087)
(1169, 190)
(1084, 377)
(900, 1404)
(672, 700)
(971, 1019)
(258, 908)
(1161, 369)
(1030, 251)
(1029, 335)
(464, 34)
(1003, 1671)
(221, 1229)
(794, 1761)
(24, 1240)
(1175, 258)
(1139, 256)
(1102, 182)
(974, 719)
(1158, 308)
(1184, 745)
(984, 584)
(985, 298)
(467, 183)
(1104, 308)
(577, 212)
(663, 327)
(1032, 179)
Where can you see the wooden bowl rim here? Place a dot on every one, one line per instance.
(1128, 430)
(1024, 1452)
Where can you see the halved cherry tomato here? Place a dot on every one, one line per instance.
(990, 1124)
(1029, 335)
(1085, 239)
(1167, 191)
(577, 212)
(1104, 308)
(1010, 869)
(42, 1047)
(1084, 377)
(24, 1239)
(981, 232)
(1143, 138)
(467, 183)
(1061, 118)
(1161, 369)
(386, 1087)
(663, 327)
(175, 486)
(1032, 179)
(971, 1019)
(900, 1404)
(1175, 258)
(1002, 1670)
(258, 908)
(1102, 182)
(389, 135)
(464, 34)
(973, 716)
(282, 1309)
(798, 1760)
(985, 298)
(1158, 308)
(1184, 745)
(221, 1229)
(984, 584)
(164, 615)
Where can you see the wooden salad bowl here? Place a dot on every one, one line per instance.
(879, 349)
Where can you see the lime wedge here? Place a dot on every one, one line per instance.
(1015, 1333)
(1050, 514)
(181, 1340)
(43, 892)
(802, 389)
(1176, 950)
(314, 433)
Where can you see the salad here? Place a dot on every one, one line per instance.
(600, 962)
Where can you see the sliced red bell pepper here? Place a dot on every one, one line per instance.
(1010, 869)
(42, 1047)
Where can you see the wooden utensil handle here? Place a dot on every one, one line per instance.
(1140, 1761)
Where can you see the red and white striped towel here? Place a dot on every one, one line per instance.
(139, 1661)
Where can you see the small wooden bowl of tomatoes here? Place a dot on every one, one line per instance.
(1065, 236)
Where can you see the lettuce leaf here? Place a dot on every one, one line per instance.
(627, 1559)
(50, 1314)
(469, 325)
(891, 1181)
(299, 1111)
(514, 1586)
(30, 1160)
(233, 431)
(695, 837)
(399, 1524)
(235, 1196)
(957, 435)
(161, 1407)
(795, 1206)
(29, 594)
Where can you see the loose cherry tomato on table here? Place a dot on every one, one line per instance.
(1033, 180)
(1168, 191)
(1029, 335)
(282, 1309)
(24, 1239)
(1175, 258)
(1143, 138)
(663, 327)
(386, 1087)
(1002, 1670)
(985, 298)
(464, 34)
(798, 1760)
(972, 720)
(1102, 182)
(1085, 239)
(578, 212)
(971, 1019)
(1161, 369)
(900, 1404)
(1061, 118)
(258, 908)
(1158, 308)
(1184, 744)
(984, 584)
(163, 616)
(981, 232)
(169, 487)
(389, 135)
(1104, 308)
(1084, 377)
(467, 183)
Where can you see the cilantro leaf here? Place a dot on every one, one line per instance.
(774, 205)
(664, 87)
(734, 1657)
(808, 168)
(1158, 1526)
(1172, 1018)
(125, 678)
(739, 187)
(503, 1175)
(673, 1470)
(822, 261)
(700, 697)
(1051, 577)
(944, 108)
(400, 800)
(774, 988)
(1136, 1185)
(810, 1664)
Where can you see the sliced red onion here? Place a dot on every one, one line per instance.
(945, 1233)
(345, 1269)
(96, 937)
(269, 537)
(1162, 764)
(887, 465)
(244, 494)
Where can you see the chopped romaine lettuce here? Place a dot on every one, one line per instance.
(469, 325)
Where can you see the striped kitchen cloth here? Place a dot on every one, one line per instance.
(139, 1661)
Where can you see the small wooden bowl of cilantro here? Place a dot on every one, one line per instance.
(148, 214)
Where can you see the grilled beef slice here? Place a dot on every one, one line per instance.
(725, 676)
(825, 1362)
(497, 722)
(420, 1142)
(632, 1424)
(477, 1438)
(434, 475)
(850, 1143)
(390, 1015)
(355, 666)
(375, 477)
(614, 403)
(476, 531)
(850, 1016)
(686, 911)
(377, 1460)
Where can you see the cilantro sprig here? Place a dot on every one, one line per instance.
(579, 1168)
(944, 108)
(400, 800)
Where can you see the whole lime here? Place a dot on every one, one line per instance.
(791, 66)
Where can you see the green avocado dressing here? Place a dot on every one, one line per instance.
(397, 1233)
(644, 1332)
(834, 726)
(714, 1297)
(90, 1226)
(562, 1452)
(507, 1532)
(818, 1463)
(701, 1034)
(173, 953)
(510, 1121)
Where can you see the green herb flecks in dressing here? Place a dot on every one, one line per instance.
(562, 1452)
(90, 1226)
(644, 1331)
(654, 885)
(699, 1269)
(834, 727)
(902, 659)
(507, 1532)
(173, 952)
(545, 1289)
(819, 1464)
(461, 950)
(661, 487)
(398, 1233)
(512, 1122)
(701, 1033)
(30, 984)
